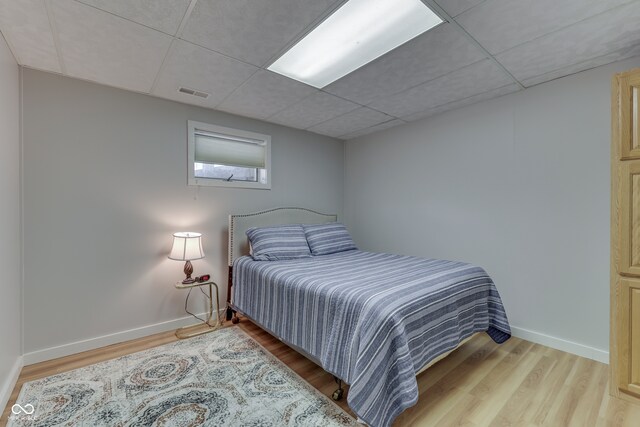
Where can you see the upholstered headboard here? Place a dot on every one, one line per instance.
(239, 224)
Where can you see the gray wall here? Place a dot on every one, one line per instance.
(10, 245)
(105, 187)
(518, 185)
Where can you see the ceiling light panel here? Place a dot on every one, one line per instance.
(356, 34)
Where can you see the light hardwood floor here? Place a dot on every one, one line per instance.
(480, 384)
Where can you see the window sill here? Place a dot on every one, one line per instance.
(205, 182)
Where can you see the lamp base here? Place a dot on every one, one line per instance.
(188, 270)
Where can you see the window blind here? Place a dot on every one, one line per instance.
(227, 150)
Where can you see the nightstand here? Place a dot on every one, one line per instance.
(205, 326)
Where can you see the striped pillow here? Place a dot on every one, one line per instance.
(278, 243)
(328, 238)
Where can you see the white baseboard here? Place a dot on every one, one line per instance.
(10, 383)
(560, 344)
(105, 340)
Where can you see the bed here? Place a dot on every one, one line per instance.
(373, 320)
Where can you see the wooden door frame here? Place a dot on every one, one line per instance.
(615, 197)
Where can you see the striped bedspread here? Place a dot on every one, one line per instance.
(372, 319)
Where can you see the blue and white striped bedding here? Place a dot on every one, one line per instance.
(372, 319)
(329, 238)
(278, 243)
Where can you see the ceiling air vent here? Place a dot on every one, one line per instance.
(193, 92)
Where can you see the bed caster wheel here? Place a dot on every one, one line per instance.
(235, 320)
(337, 395)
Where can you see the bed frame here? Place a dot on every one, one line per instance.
(239, 246)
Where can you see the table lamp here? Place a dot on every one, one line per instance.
(187, 246)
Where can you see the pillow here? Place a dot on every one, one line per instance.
(278, 243)
(328, 238)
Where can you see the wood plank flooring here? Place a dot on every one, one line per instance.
(480, 384)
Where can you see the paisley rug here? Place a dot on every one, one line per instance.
(223, 378)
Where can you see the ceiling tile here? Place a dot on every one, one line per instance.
(249, 30)
(424, 58)
(265, 94)
(312, 110)
(612, 31)
(585, 65)
(197, 68)
(502, 24)
(505, 90)
(372, 129)
(104, 48)
(480, 77)
(456, 7)
(351, 122)
(25, 24)
(163, 15)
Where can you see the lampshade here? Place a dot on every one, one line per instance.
(186, 246)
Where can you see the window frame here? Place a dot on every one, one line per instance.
(192, 180)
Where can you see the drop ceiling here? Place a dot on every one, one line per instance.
(484, 49)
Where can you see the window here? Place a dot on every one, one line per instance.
(226, 157)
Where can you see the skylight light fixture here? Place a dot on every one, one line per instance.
(354, 35)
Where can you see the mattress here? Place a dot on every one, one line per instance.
(372, 319)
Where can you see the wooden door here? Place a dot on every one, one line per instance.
(625, 235)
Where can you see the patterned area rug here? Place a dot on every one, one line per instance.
(224, 378)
